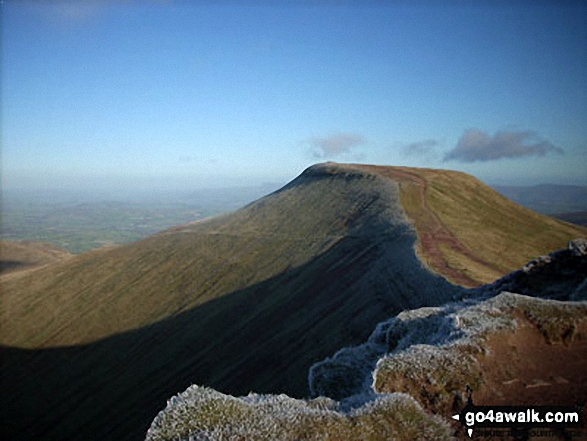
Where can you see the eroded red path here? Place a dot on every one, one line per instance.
(432, 233)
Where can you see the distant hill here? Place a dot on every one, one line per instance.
(249, 300)
(18, 256)
(578, 218)
(548, 198)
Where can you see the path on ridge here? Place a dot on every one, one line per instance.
(432, 233)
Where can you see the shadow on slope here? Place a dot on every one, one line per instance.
(262, 338)
(106, 292)
(511, 349)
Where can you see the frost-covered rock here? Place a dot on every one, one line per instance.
(204, 414)
(430, 352)
(578, 247)
(423, 327)
(437, 373)
(561, 275)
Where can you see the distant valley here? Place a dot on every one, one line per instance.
(79, 221)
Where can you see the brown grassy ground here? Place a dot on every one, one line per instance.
(524, 368)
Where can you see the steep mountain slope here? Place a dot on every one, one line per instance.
(93, 346)
(337, 213)
(247, 301)
(467, 233)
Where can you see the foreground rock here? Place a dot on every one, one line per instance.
(202, 414)
(411, 375)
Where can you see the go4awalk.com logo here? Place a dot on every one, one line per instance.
(518, 417)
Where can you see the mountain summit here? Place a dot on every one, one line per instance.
(252, 299)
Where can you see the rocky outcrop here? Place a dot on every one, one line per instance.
(204, 414)
(559, 275)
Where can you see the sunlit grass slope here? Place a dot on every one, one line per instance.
(467, 231)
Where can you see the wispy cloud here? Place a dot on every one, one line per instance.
(476, 145)
(336, 145)
(420, 148)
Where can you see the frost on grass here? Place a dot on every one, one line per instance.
(200, 413)
(348, 373)
(436, 374)
(429, 352)
(432, 350)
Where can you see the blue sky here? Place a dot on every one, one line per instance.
(199, 94)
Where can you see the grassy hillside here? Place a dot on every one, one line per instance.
(249, 300)
(246, 301)
(104, 292)
(467, 231)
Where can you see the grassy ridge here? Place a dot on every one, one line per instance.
(476, 235)
(104, 292)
